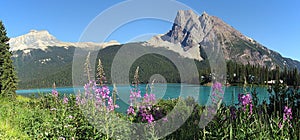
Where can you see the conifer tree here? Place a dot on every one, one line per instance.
(8, 77)
(87, 67)
(100, 74)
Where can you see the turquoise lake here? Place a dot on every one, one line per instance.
(167, 91)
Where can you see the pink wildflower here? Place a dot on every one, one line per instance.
(65, 100)
(287, 113)
(54, 93)
(130, 110)
(246, 100)
(280, 125)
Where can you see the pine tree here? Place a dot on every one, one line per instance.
(8, 77)
(136, 77)
(87, 67)
(100, 73)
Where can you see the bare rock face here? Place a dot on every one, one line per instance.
(193, 35)
(184, 37)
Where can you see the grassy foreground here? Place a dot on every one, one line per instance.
(55, 116)
(11, 114)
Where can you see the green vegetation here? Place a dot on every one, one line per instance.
(10, 112)
(59, 70)
(255, 74)
(8, 77)
(92, 115)
(32, 73)
(49, 117)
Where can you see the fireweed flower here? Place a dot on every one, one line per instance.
(105, 92)
(280, 125)
(144, 105)
(65, 100)
(152, 98)
(146, 98)
(100, 96)
(217, 92)
(149, 118)
(146, 114)
(217, 87)
(246, 100)
(287, 115)
(54, 93)
(111, 105)
(86, 89)
(136, 94)
(149, 99)
(77, 99)
(98, 99)
(147, 108)
(130, 111)
(217, 96)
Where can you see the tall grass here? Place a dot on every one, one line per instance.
(48, 117)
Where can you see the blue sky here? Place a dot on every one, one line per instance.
(273, 23)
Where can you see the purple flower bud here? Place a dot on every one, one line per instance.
(66, 100)
(54, 93)
(130, 111)
(149, 118)
(280, 125)
(78, 99)
(217, 86)
(287, 113)
(152, 98)
(245, 101)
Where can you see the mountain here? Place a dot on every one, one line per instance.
(43, 39)
(192, 35)
(41, 59)
(42, 68)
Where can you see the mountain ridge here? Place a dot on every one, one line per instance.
(38, 55)
(42, 39)
(189, 36)
(192, 35)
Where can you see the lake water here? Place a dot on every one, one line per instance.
(166, 91)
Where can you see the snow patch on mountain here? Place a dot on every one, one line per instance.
(43, 39)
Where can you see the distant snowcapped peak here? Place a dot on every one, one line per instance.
(43, 39)
(34, 40)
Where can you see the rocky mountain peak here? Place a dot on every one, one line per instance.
(204, 13)
(34, 39)
(43, 35)
(188, 30)
(191, 35)
(42, 39)
(184, 16)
